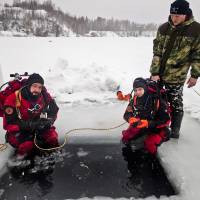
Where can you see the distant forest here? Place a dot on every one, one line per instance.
(27, 16)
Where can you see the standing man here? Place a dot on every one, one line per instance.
(176, 49)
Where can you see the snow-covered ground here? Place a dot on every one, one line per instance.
(83, 74)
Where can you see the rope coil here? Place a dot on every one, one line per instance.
(4, 146)
(196, 91)
(72, 130)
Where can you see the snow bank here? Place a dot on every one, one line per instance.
(83, 85)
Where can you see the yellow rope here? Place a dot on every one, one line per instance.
(72, 130)
(3, 147)
(196, 91)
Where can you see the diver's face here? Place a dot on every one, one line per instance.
(139, 92)
(36, 89)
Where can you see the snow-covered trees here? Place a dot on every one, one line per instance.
(33, 17)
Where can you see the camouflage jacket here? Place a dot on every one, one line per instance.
(184, 54)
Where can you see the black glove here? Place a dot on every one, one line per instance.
(28, 124)
(44, 123)
(39, 124)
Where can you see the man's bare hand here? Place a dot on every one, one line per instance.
(191, 82)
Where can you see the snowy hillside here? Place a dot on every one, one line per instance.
(44, 19)
(16, 21)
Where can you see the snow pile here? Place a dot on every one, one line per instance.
(83, 85)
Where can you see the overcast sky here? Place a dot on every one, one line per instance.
(135, 10)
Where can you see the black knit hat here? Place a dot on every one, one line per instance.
(140, 82)
(35, 78)
(180, 7)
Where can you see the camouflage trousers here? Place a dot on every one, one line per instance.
(175, 96)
